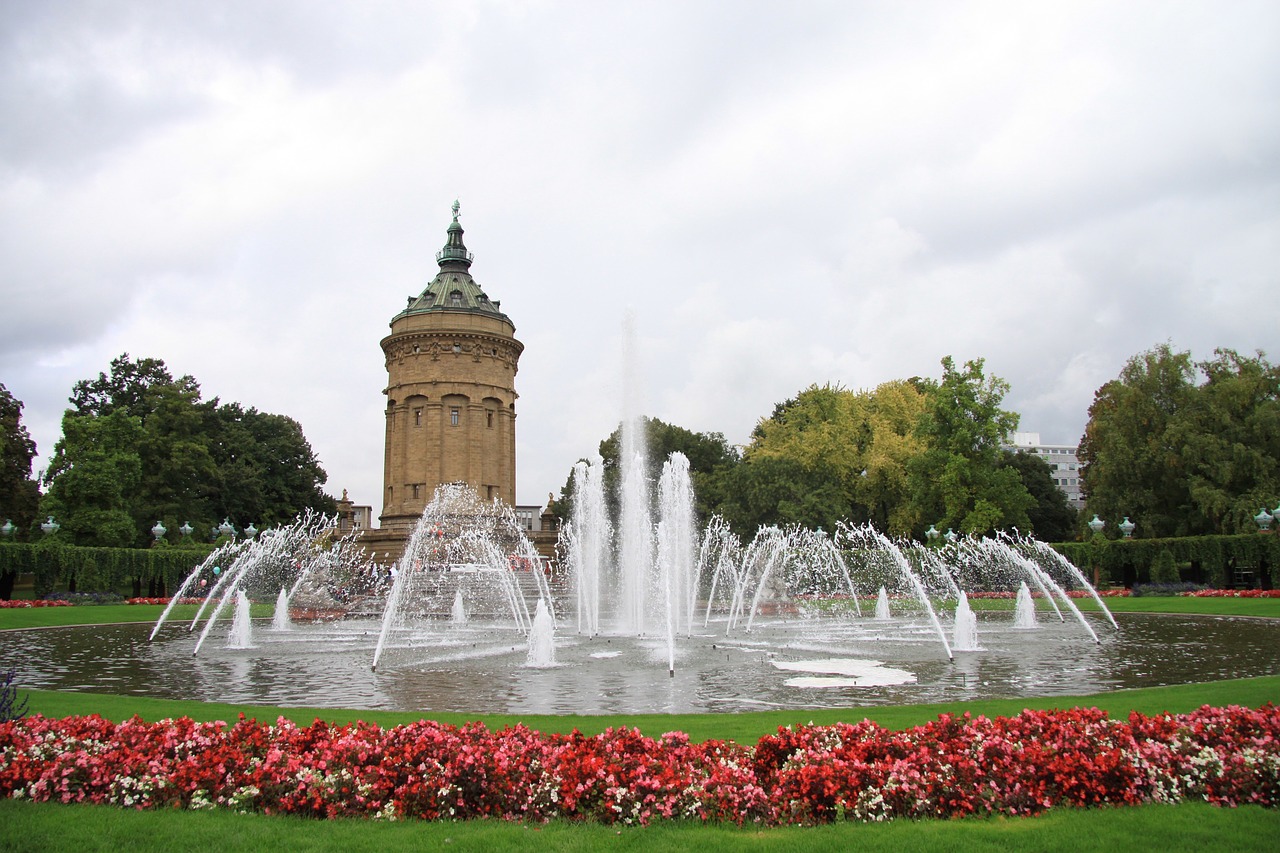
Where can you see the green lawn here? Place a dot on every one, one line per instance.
(742, 727)
(41, 617)
(34, 827)
(1195, 827)
(1269, 607)
(102, 614)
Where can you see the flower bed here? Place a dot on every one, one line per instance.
(951, 767)
(1233, 593)
(1071, 593)
(38, 602)
(185, 600)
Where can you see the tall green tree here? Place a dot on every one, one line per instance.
(836, 455)
(1231, 441)
(958, 481)
(1184, 448)
(94, 478)
(1130, 464)
(777, 490)
(186, 459)
(708, 454)
(19, 493)
(266, 470)
(1051, 518)
(128, 386)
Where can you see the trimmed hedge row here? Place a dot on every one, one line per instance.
(1210, 556)
(100, 569)
(151, 569)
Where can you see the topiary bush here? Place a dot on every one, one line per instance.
(1164, 570)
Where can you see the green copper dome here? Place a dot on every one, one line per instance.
(453, 288)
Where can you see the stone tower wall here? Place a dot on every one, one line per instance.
(450, 413)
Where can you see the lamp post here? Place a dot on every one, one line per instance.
(1126, 527)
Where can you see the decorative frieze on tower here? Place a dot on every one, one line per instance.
(451, 400)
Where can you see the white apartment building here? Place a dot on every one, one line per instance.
(1061, 458)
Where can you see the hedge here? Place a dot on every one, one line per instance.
(99, 569)
(1209, 555)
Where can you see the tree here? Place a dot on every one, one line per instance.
(776, 490)
(1052, 518)
(175, 458)
(1131, 467)
(19, 493)
(708, 453)
(848, 449)
(1181, 457)
(127, 387)
(1230, 440)
(958, 482)
(266, 471)
(94, 479)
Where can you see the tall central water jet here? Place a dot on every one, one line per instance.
(635, 534)
(585, 542)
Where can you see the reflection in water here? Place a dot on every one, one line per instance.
(477, 668)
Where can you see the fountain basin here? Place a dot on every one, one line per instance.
(480, 667)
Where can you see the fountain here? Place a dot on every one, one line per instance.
(241, 634)
(317, 568)
(469, 603)
(461, 548)
(965, 632)
(280, 620)
(587, 536)
(1024, 611)
(542, 641)
(882, 605)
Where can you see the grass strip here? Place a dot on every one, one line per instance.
(50, 617)
(1191, 827)
(12, 618)
(746, 727)
(1188, 605)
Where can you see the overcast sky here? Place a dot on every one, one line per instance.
(780, 193)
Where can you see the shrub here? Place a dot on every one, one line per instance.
(1164, 570)
(1155, 589)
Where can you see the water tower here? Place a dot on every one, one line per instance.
(451, 401)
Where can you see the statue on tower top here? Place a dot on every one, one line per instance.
(456, 207)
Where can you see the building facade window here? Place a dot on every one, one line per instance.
(417, 417)
(455, 415)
